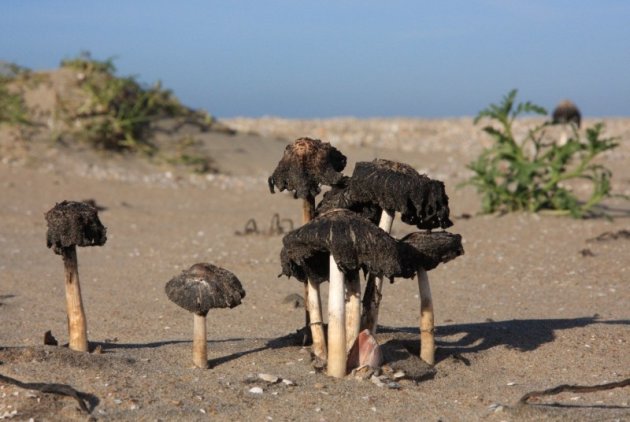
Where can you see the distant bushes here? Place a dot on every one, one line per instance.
(12, 107)
(119, 111)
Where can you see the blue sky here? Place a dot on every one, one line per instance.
(342, 58)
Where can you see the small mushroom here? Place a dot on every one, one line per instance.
(566, 112)
(422, 252)
(72, 224)
(306, 164)
(395, 187)
(199, 289)
(332, 246)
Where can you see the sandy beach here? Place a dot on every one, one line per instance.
(535, 302)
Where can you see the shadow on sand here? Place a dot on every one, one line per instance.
(521, 334)
(289, 340)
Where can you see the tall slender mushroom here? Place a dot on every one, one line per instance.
(422, 252)
(566, 112)
(395, 187)
(199, 289)
(334, 244)
(72, 224)
(306, 164)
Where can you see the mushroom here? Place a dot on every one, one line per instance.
(339, 196)
(566, 112)
(306, 164)
(422, 252)
(199, 289)
(72, 224)
(331, 247)
(395, 186)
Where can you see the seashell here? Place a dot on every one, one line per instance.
(365, 352)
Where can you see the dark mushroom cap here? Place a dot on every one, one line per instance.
(73, 223)
(339, 197)
(354, 242)
(399, 187)
(306, 164)
(566, 112)
(428, 250)
(203, 287)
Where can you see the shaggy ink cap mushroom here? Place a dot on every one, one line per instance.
(306, 164)
(566, 112)
(353, 241)
(399, 187)
(203, 287)
(428, 250)
(339, 197)
(72, 223)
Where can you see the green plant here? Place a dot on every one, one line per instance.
(533, 174)
(12, 107)
(120, 111)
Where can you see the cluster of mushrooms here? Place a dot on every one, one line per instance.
(345, 235)
(348, 233)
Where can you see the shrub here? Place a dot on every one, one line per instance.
(12, 107)
(531, 174)
(120, 110)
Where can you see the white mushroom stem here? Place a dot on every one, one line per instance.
(353, 309)
(312, 297)
(427, 335)
(369, 320)
(336, 322)
(200, 341)
(317, 323)
(77, 325)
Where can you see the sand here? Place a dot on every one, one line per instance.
(535, 301)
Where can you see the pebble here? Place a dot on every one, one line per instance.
(256, 390)
(376, 381)
(398, 375)
(8, 415)
(496, 408)
(393, 385)
(288, 383)
(271, 379)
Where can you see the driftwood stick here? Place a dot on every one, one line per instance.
(574, 389)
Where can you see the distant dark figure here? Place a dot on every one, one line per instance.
(566, 112)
